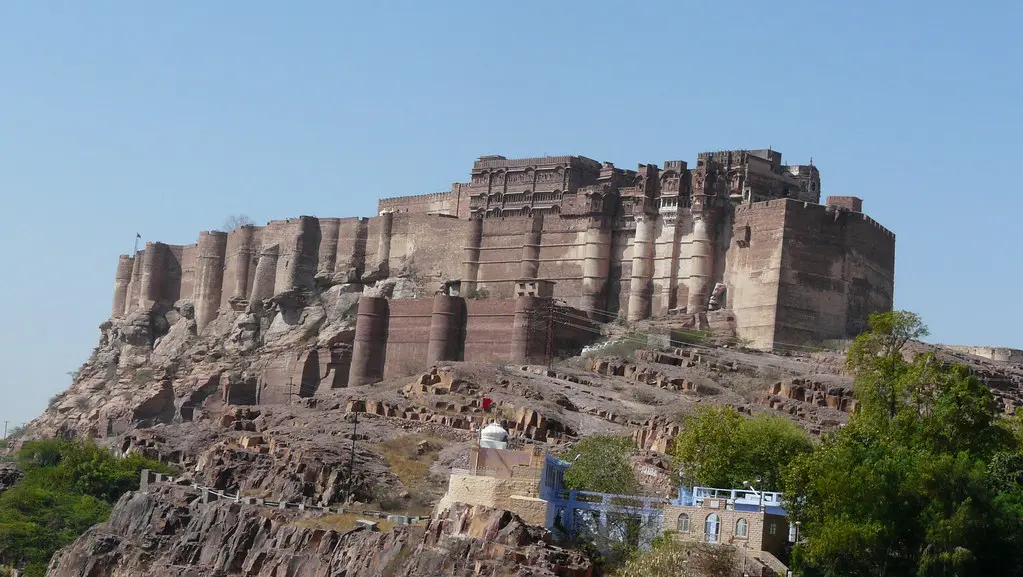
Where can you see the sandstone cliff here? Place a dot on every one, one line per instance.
(167, 533)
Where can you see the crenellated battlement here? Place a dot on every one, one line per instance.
(822, 212)
(415, 198)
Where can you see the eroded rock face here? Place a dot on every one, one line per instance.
(9, 476)
(168, 533)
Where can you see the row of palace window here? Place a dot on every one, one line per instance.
(497, 197)
(524, 211)
(712, 527)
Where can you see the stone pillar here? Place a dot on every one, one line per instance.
(122, 280)
(701, 263)
(530, 267)
(446, 321)
(596, 266)
(210, 253)
(384, 244)
(471, 262)
(242, 251)
(641, 283)
(369, 352)
(266, 274)
(326, 262)
(525, 347)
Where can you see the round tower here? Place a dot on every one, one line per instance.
(701, 263)
(471, 264)
(523, 345)
(369, 351)
(445, 329)
(209, 278)
(596, 265)
(641, 283)
(122, 279)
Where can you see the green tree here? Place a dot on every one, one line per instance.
(601, 464)
(68, 487)
(925, 479)
(718, 447)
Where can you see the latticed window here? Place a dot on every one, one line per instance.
(683, 523)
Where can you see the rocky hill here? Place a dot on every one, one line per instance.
(156, 387)
(170, 534)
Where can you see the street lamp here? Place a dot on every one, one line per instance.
(759, 493)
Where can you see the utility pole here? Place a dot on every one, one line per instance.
(351, 460)
(550, 334)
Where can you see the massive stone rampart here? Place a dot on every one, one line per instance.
(614, 242)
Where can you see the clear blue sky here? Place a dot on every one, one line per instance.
(164, 118)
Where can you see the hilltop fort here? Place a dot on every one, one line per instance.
(740, 241)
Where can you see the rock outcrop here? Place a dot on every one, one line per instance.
(168, 533)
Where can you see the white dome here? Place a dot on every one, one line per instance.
(494, 436)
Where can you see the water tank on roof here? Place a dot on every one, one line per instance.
(493, 436)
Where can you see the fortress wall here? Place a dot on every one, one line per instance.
(298, 242)
(997, 354)
(326, 262)
(562, 254)
(500, 254)
(462, 196)
(160, 279)
(489, 330)
(375, 229)
(393, 337)
(241, 255)
(352, 238)
(265, 276)
(472, 242)
(870, 258)
(754, 270)
(813, 284)
(432, 245)
(209, 276)
(666, 265)
(437, 202)
(122, 282)
(620, 269)
(596, 268)
(408, 336)
(135, 285)
(683, 266)
(186, 256)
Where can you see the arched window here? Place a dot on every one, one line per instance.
(712, 527)
(683, 523)
(741, 528)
